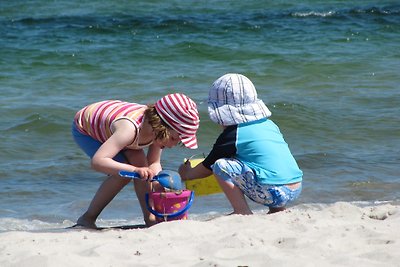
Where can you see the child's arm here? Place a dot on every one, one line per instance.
(154, 158)
(102, 161)
(188, 173)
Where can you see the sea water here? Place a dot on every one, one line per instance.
(328, 71)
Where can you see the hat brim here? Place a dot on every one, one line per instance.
(231, 115)
(189, 141)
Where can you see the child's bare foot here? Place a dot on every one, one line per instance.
(82, 221)
(273, 210)
(150, 223)
(240, 213)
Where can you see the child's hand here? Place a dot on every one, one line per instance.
(184, 169)
(145, 173)
(189, 172)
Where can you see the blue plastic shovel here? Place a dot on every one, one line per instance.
(168, 179)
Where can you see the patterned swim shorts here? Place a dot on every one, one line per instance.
(273, 196)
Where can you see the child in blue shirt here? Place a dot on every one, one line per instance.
(250, 157)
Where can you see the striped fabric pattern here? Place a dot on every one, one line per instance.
(95, 119)
(180, 113)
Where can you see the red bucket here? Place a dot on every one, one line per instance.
(169, 206)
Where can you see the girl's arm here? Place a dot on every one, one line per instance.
(154, 158)
(102, 161)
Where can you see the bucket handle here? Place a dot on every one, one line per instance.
(172, 215)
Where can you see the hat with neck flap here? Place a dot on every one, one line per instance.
(180, 113)
(233, 100)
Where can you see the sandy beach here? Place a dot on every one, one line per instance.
(340, 234)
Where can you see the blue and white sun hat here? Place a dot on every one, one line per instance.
(232, 100)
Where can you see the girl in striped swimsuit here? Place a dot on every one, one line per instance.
(114, 134)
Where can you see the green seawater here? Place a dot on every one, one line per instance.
(328, 71)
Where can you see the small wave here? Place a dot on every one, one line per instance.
(389, 10)
(192, 22)
(376, 11)
(40, 118)
(38, 124)
(314, 14)
(13, 224)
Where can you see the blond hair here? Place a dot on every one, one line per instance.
(160, 128)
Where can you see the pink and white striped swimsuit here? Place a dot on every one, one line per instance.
(96, 119)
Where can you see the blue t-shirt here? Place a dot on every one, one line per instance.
(260, 145)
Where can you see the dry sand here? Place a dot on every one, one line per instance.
(340, 234)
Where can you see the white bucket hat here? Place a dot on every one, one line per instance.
(232, 100)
